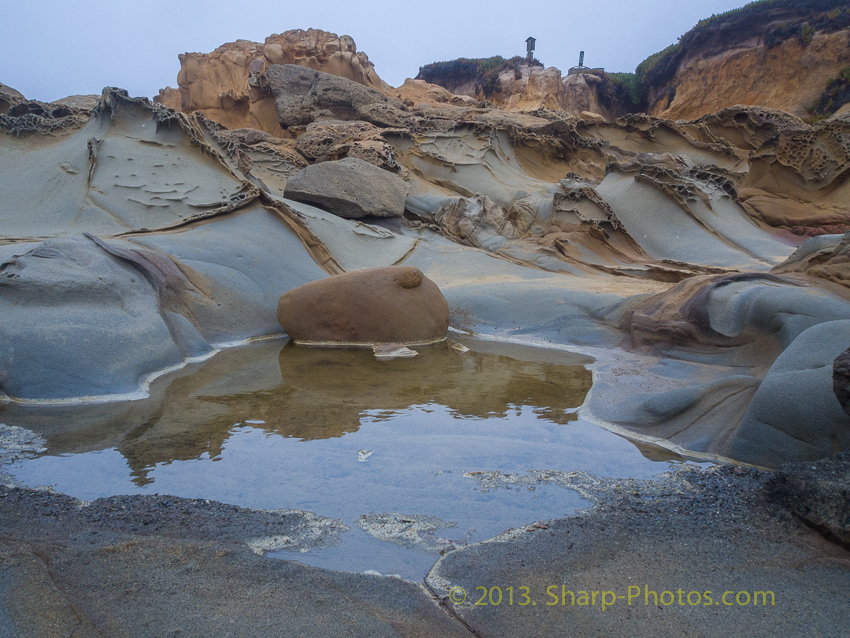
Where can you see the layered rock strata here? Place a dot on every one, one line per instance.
(660, 238)
(228, 84)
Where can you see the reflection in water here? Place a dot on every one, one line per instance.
(307, 394)
(340, 434)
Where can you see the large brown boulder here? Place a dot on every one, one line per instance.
(395, 304)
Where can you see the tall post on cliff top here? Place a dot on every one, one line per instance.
(529, 46)
(581, 59)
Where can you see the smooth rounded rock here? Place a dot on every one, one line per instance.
(395, 304)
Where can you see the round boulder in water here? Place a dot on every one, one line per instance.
(395, 304)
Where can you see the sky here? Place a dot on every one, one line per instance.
(55, 48)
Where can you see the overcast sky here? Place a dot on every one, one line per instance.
(54, 48)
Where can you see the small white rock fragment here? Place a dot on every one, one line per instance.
(460, 347)
(254, 421)
(385, 352)
(362, 455)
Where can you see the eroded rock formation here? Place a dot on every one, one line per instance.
(516, 86)
(672, 240)
(303, 95)
(228, 84)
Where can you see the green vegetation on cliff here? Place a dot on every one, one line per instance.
(798, 18)
(620, 89)
(484, 72)
(772, 21)
(836, 94)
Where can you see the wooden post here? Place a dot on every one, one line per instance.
(529, 47)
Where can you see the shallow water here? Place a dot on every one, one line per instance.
(340, 434)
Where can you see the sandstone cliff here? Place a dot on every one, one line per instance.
(517, 85)
(535, 87)
(228, 84)
(575, 94)
(778, 54)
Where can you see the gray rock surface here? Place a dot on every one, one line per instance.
(349, 188)
(78, 321)
(476, 221)
(819, 493)
(158, 566)
(704, 534)
(794, 413)
(93, 318)
(240, 265)
(127, 167)
(302, 95)
(841, 380)
(738, 366)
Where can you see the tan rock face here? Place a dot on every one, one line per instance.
(521, 88)
(798, 179)
(418, 91)
(396, 304)
(229, 86)
(546, 88)
(789, 77)
(537, 87)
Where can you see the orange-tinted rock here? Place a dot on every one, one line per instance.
(798, 179)
(789, 77)
(524, 87)
(541, 87)
(395, 304)
(228, 83)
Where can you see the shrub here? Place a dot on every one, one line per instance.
(484, 71)
(622, 89)
(835, 95)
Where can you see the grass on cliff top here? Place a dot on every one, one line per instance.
(631, 91)
(483, 71)
(804, 18)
